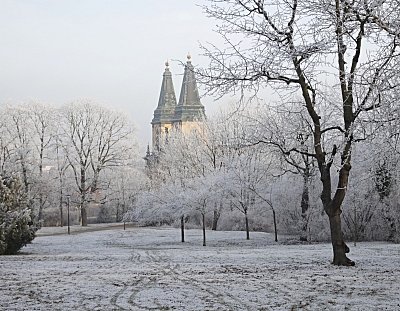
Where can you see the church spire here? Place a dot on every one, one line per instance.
(167, 100)
(189, 107)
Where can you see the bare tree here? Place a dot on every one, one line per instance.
(339, 58)
(19, 148)
(41, 117)
(62, 166)
(5, 142)
(94, 139)
(283, 130)
(246, 171)
(200, 195)
(125, 184)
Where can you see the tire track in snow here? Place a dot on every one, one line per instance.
(114, 299)
(212, 294)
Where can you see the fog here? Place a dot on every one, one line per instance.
(110, 51)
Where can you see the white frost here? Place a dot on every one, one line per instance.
(150, 269)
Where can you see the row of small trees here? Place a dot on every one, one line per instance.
(203, 172)
(239, 164)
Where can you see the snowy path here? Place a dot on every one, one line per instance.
(149, 269)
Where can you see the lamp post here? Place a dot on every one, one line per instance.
(69, 230)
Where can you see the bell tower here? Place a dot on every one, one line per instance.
(164, 114)
(189, 112)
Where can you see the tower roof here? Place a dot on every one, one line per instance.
(189, 107)
(167, 101)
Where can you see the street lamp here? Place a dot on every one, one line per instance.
(69, 230)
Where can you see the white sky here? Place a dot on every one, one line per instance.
(112, 51)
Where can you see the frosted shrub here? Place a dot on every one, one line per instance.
(16, 222)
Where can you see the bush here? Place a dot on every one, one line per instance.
(105, 215)
(16, 220)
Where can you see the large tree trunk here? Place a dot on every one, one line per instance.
(332, 207)
(84, 215)
(333, 210)
(305, 205)
(339, 246)
(217, 214)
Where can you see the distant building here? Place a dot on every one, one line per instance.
(183, 117)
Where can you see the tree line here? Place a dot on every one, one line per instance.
(81, 150)
(235, 172)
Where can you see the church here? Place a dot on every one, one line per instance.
(184, 116)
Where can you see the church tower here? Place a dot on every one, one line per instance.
(165, 111)
(189, 112)
(184, 117)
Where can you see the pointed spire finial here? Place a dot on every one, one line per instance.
(167, 100)
(188, 57)
(148, 155)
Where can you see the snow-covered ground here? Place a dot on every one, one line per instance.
(150, 269)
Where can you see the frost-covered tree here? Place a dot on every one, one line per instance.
(20, 149)
(200, 195)
(42, 124)
(247, 175)
(279, 130)
(282, 131)
(5, 143)
(17, 226)
(204, 171)
(62, 164)
(337, 59)
(189, 156)
(385, 175)
(94, 139)
(27, 133)
(157, 206)
(50, 148)
(124, 184)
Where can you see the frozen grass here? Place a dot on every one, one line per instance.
(150, 269)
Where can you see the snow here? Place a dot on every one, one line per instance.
(150, 269)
